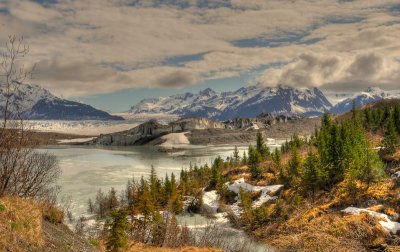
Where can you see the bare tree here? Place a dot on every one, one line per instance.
(23, 171)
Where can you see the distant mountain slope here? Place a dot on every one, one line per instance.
(38, 103)
(368, 96)
(245, 102)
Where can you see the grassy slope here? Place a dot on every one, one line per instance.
(318, 224)
(23, 228)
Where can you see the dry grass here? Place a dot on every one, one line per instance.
(20, 224)
(318, 231)
(319, 225)
(146, 248)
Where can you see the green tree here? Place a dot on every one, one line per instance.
(391, 138)
(261, 147)
(118, 226)
(313, 175)
(254, 162)
(216, 178)
(236, 156)
(294, 166)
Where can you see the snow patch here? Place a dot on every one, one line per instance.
(211, 201)
(175, 140)
(390, 226)
(75, 140)
(265, 190)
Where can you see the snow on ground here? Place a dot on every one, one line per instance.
(389, 225)
(210, 201)
(75, 140)
(396, 175)
(175, 140)
(265, 191)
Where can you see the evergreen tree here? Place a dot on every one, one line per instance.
(236, 157)
(254, 162)
(261, 147)
(396, 117)
(112, 199)
(216, 178)
(117, 237)
(294, 166)
(146, 204)
(244, 160)
(313, 175)
(391, 138)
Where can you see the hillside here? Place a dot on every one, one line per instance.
(35, 102)
(29, 226)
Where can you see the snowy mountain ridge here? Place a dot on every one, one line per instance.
(35, 102)
(370, 95)
(245, 102)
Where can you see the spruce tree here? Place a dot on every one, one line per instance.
(313, 175)
(118, 226)
(236, 157)
(294, 166)
(112, 199)
(391, 138)
(254, 162)
(216, 178)
(261, 147)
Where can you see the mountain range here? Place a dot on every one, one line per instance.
(254, 100)
(35, 102)
(251, 101)
(245, 102)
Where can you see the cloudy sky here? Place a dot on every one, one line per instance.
(114, 53)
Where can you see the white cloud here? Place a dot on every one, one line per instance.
(78, 44)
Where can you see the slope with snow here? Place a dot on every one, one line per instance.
(35, 102)
(368, 96)
(245, 102)
(390, 226)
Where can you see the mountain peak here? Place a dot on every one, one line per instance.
(374, 90)
(207, 92)
(245, 102)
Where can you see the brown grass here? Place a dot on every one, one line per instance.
(20, 224)
(146, 248)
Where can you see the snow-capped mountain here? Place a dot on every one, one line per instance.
(245, 102)
(38, 103)
(368, 96)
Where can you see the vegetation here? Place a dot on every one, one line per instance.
(23, 171)
(336, 167)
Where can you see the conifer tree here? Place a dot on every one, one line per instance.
(112, 200)
(294, 166)
(236, 157)
(261, 147)
(244, 160)
(313, 175)
(117, 237)
(391, 138)
(216, 178)
(396, 117)
(254, 162)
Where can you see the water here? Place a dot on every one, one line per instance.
(86, 169)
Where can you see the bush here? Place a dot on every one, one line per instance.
(52, 214)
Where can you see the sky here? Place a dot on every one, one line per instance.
(111, 54)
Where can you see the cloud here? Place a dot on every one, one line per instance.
(337, 72)
(84, 47)
(178, 78)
